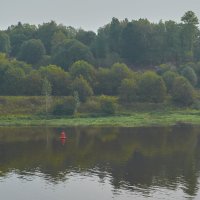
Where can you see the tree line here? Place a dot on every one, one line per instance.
(124, 59)
(155, 86)
(137, 43)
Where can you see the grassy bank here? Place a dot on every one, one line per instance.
(29, 111)
(130, 120)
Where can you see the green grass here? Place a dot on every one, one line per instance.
(26, 111)
(130, 120)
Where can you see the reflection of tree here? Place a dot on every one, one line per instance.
(141, 156)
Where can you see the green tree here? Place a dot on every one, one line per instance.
(128, 92)
(32, 51)
(57, 39)
(77, 101)
(67, 107)
(4, 42)
(151, 88)
(189, 34)
(82, 87)
(46, 91)
(104, 82)
(69, 52)
(86, 37)
(133, 42)
(182, 92)
(119, 71)
(172, 42)
(13, 81)
(108, 105)
(18, 34)
(10, 69)
(115, 30)
(59, 79)
(32, 85)
(169, 77)
(46, 33)
(190, 74)
(84, 69)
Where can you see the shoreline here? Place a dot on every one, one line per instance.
(139, 119)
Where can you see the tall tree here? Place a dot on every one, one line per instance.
(69, 52)
(59, 79)
(46, 91)
(86, 37)
(32, 51)
(18, 34)
(4, 42)
(189, 34)
(84, 69)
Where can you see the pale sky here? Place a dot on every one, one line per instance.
(92, 14)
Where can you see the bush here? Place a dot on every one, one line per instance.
(65, 108)
(128, 91)
(91, 106)
(190, 74)
(169, 78)
(108, 105)
(151, 88)
(182, 92)
(82, 87)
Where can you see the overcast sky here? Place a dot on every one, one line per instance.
(92, 14)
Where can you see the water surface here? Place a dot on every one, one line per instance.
(100, 163)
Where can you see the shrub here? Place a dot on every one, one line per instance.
(169, 78)
(128, 91)
(91, 106)
(151, 88)
(182, 92)
(108, 105)
(190, 74)
(82, 87)
(65, 108)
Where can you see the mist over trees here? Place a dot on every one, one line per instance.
(137, 61)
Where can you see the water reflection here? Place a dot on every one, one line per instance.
(132, 159)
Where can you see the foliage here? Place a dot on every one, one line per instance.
(84, 69)
(69, 52)
(190, 74)
(12, 81)
(182, 92)
(82, 87)
(119, 60)
(18, 34)
(59, 79)
(161, 69)
(92, 105)
(32, 84)
(46, 33)
(86, 37)
(46, 91)
(67, 107)
(151, 88)
(128, 91)
(32, 51)
(77, 101)
(109, 80)
(108, 105)
(169, 77)
(4, 42)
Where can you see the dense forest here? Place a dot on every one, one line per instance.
(135, 61)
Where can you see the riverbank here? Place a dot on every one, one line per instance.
(29, 111)
(136, 119)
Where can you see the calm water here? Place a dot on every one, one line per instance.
(100, 163)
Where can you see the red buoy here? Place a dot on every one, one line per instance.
(63, 135)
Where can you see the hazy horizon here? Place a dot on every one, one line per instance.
(92, 14)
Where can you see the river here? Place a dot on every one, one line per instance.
(100, 163)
